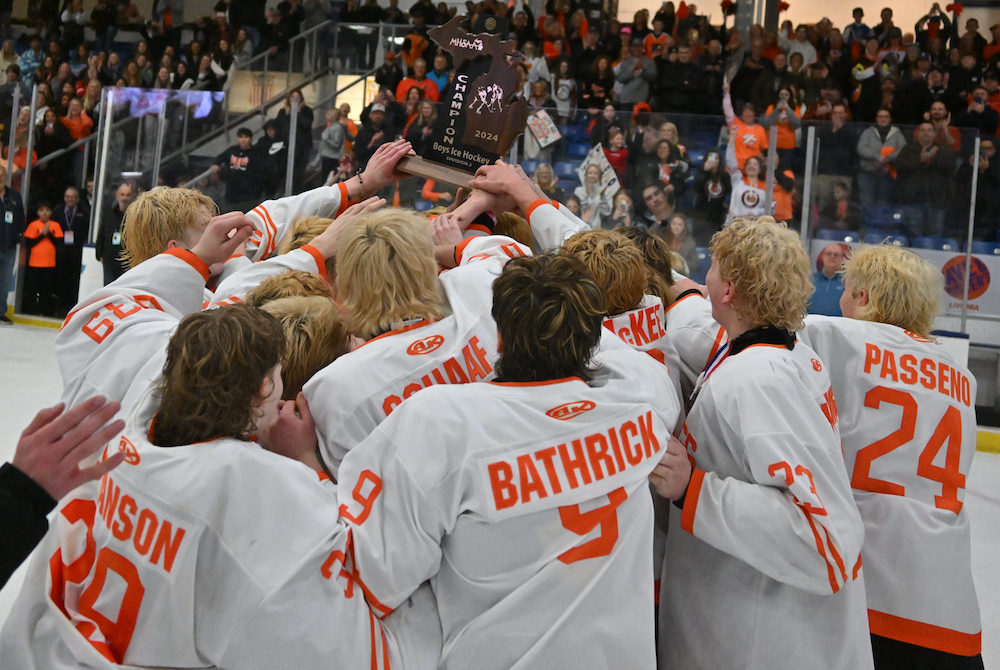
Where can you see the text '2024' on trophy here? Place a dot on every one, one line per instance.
(481, 112)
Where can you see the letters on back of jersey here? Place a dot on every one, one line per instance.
(481, 112)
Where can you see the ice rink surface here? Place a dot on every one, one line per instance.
(29, 381)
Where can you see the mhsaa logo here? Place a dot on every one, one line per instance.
(817, 366)
(425, 346)
(571, 409)
(127, 448)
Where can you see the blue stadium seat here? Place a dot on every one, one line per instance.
(883, 217)
(837, 235)
(886, 236)
(986, 248)
(696, 157)
(578, 150)
(529, 166)
(699, 273)
(568, 186)
(934, 243)
(422, 205)
(572, 133)
(565, 170)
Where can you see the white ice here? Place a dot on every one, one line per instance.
(29, 381)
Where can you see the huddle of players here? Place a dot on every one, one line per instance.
(486, 481)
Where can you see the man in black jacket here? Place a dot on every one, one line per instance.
(46, 468)
(74, 219)
(244, 168)
(11, 228)
(109, 235)
(838, 154)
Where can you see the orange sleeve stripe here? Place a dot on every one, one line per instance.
(822, 552)
(191, 260)
(479, 228)
(836, 555)
(691, 500)
(679, 301)
(371, 621)
(460, 249)
(272, 230)
(924, 634)
(369, 596)
(385, 652)
(857, 567)
(533, 206)
(345, 200)
(318, 257)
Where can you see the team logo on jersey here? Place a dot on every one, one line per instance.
(571, 409)
(954, 277)
(817, 366)
(127, 448)
(750, 199)
(425, 346)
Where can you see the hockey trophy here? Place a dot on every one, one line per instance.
(481, 113)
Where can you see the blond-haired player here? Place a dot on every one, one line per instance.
(762, 566)
(166, 218)
(525, 500)
(909, 435)
(422, 329)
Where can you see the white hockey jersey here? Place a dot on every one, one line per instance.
(527, 506)
(235, 288)
(142, 307)
(553, 224)
(643, 329)
(355, 393)
(216, 554)
(222, 554)
(908, 424)
(273, 218)
(695, 336)
(762, 570)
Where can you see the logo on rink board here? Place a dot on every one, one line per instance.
(954, 277)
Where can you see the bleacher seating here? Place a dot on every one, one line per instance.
(886, 237)
(566, 169)
(985, 248)
(578, 150)
(529, 167)
(934, 243)
(699, 273)
(568, 186)
(838, 235)
(883, 217)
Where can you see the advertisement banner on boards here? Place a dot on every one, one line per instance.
(984, 293)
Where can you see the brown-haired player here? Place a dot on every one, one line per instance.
(763, 565)
(526, 498)
(222, 553)
(909, 437)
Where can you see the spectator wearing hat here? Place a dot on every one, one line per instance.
(635, 73)
(390, 74)
(373, 133)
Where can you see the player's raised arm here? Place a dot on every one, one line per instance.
(115, 331)
(272, 219)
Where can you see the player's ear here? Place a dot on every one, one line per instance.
(174, 244)
(862, 297)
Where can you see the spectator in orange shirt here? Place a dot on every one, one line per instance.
(746, 137)
(658, 36)
(420, 80)
(79, 126)
(351, 126)
(993, 48)
(40, 276)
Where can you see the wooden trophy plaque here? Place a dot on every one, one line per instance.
(481, 112)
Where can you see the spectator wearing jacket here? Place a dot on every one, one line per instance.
(838, 144)
(878, 147)
(12, 226)
(924, 182)
(109, 235)
(635, 73)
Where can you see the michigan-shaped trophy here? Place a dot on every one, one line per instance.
(481, 112)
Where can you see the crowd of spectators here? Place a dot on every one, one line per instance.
(681, 108)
